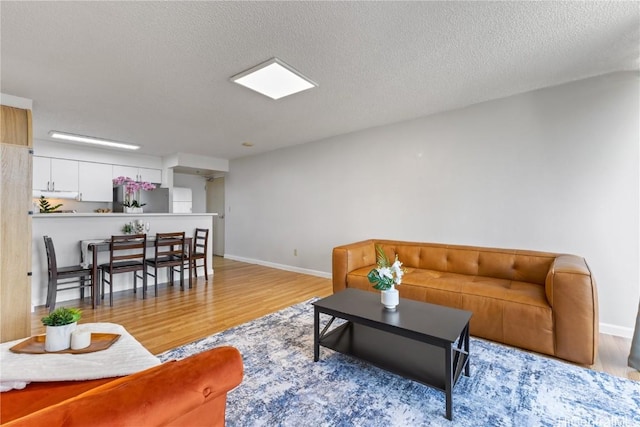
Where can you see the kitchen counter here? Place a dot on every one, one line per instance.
(68, 229)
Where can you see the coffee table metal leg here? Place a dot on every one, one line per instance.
(316, 334)
(448, 386)
(466, 349)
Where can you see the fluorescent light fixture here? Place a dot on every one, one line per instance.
(274, 79)
(91, 140)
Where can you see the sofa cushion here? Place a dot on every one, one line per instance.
(508, 311)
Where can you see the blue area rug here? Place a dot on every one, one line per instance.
(282, 385)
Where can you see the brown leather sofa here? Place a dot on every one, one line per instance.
(189, 392)
(538, 301)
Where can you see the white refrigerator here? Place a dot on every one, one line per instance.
(182, 200)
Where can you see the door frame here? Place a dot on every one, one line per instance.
(216, 204)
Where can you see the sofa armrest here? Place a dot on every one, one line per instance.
(157, 396)
(571, 291)
(350, 257)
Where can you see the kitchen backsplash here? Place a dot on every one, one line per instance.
(73, 205)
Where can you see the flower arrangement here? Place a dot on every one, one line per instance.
(133, 228)
(385, 275)
(132, 190)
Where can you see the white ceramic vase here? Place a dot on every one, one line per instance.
(59, 337)
(390, 298)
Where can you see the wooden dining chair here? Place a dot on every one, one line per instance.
(127, 254)
(171, 253)
(199, 251)
(64, 278)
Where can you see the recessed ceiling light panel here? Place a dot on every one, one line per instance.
(91, 140)
(274, 79)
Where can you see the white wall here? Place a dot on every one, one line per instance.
(553, 170)
(198, 185)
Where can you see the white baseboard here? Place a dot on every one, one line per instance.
(619, 331)
(280, 266)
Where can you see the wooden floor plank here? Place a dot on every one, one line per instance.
(237, 293)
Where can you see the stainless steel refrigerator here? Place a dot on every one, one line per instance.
(156, 201)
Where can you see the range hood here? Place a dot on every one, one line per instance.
(56, 194)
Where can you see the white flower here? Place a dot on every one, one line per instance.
(397, 271)
(385, 272)
(396, 268)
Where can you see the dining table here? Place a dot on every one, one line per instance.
(104, 245)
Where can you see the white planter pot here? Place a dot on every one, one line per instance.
(132, 210)
(390, 298)
(59, 337)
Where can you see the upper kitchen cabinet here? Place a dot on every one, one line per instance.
(150, 175)
(41, 173)
(95, 183)
(138, 174)
(55, 174)
(15, 126)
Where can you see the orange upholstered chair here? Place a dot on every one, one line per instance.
(188, 392)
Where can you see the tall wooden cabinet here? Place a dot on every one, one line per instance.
(15, 231)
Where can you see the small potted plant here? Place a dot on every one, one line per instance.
(46, 207)
(60, 323)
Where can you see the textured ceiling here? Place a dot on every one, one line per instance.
(157, 73)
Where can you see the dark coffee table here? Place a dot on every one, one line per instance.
(424, 342)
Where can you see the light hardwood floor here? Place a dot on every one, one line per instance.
(238, 293)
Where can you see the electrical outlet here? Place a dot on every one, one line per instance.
(295, 252)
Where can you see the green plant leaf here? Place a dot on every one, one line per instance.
(62, 316)
(45, 206)
(381, 257)
(379, 283)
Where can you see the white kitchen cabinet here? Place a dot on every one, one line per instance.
(95, 183)
(128, 171)
(64, 174)
(150, 175)
(41, 173)
(55, 174)
(138, 174)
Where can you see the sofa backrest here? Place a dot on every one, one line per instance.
(508, 264)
